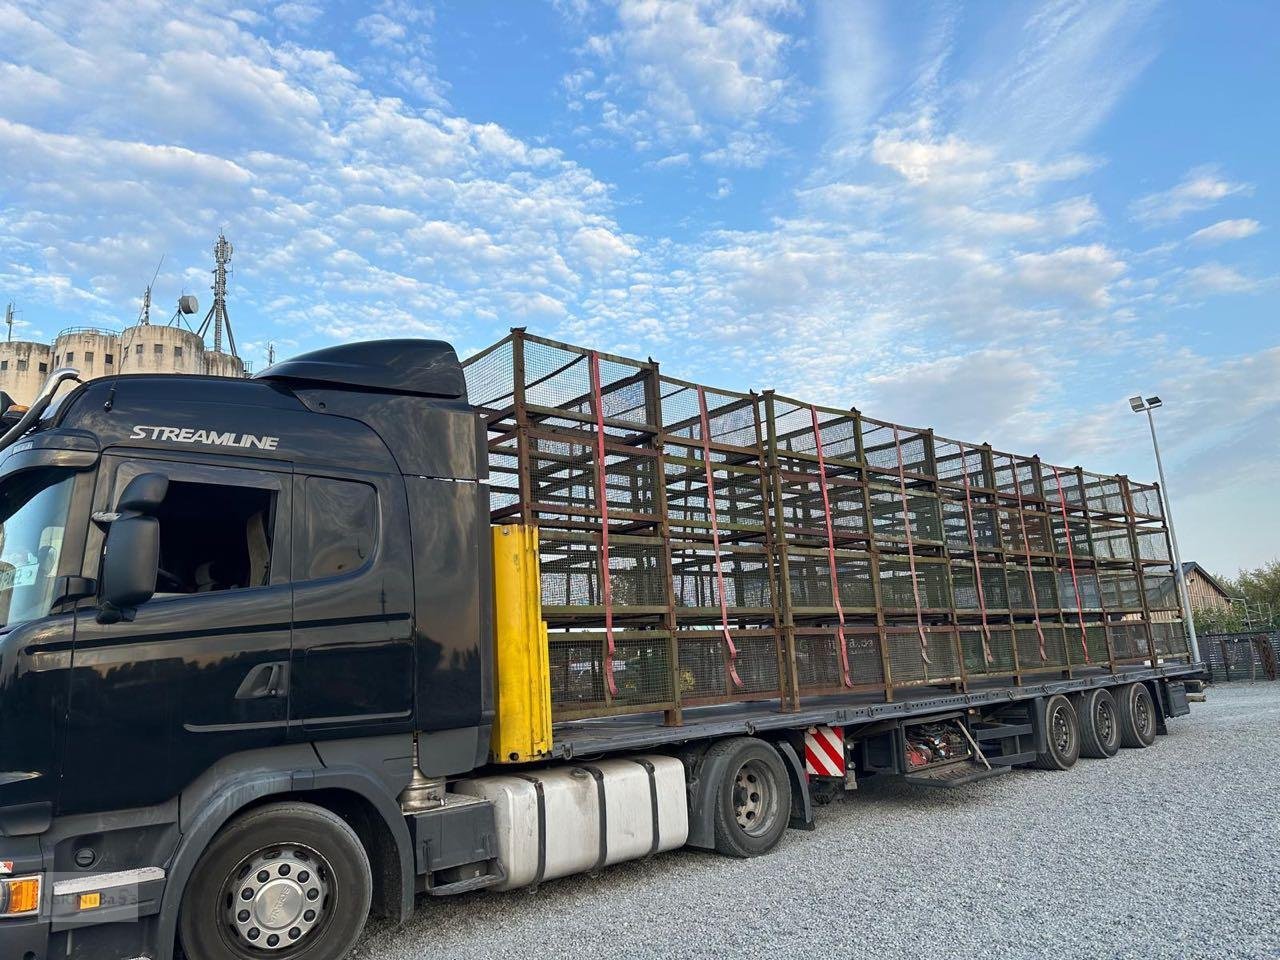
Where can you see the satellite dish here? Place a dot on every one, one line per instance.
(188, 304)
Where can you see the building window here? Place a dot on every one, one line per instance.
(88, 356)
(44, 368)
(159, 351)
(71, 357)
(138, 349)
(108, 359)
(177, 353)
(4, 364)
(22, 365)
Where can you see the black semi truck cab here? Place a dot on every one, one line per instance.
(247, 678)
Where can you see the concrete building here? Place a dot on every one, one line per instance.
(24, 365)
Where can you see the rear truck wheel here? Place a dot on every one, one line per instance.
(753, 799)
(1099, 724)
(1062, 735)
(1137, 713)
(287, 881)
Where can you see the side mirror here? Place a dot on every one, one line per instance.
(129, 564)
(131, 555)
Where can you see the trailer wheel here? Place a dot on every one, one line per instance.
(285, 881)
(1062, 735)
(1137, 714)
(753, 799)
(1099, 724)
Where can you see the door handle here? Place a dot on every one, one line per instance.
(263, 681)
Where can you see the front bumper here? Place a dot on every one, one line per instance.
(24, 939)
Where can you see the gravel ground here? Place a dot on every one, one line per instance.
(1170, 852)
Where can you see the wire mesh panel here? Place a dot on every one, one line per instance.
(1160, 588)
(891, 449)
(1129, 640)
(1144, 499)
(1103, 495)
(1037, 654)
(995, 659)
(894, 517)
(911, 663)
(809, 577)
(899, 588)
(707, 667)
(572, 585)
(1119, 591)
(964, 585)
(641, 666)
(818, 665)
(697, 578)
(1170, 639)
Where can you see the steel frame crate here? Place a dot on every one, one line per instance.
(705, 546)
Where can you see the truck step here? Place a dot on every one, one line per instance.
(952, 775)
(495, 876)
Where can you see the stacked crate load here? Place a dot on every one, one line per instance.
(979, 580)
(727, 628)
(702, 546)
(1153, 565)
(828, 591)
(575, 449)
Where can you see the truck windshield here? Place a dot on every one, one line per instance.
(33, 518)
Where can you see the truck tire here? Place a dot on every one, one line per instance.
(1137, 714)
(753, 798)
(1099, 723)
(1062, 735)
(288, 881)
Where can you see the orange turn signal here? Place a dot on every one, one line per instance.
(19, 895)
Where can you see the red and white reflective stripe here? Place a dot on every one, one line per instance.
(715, 540)
(977, 569)
(831, 551)
(602, 498)
(1071, 562)
(824, 751)
(1026, 549)
(911, 550)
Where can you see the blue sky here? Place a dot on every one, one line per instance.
(999, 219)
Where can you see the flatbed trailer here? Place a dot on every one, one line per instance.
(276, 656)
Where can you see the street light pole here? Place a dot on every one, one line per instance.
(1183, 596)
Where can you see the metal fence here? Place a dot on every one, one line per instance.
(704, 546)
(1241, 656)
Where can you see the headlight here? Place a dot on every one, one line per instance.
(19, 896)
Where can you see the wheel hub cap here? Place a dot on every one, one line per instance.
(753, 798)
(277, 896)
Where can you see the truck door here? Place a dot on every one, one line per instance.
(353, 652)
(202, 670)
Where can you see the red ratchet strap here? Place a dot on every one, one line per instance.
(973, 542)
(602, 497)
(1071, 561)
(911, 550)
(715, 540)
(1026, 549)
(831, 550)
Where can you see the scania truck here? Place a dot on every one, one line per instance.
(266, 668)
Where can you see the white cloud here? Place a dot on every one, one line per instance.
(1225, 230)
(1084, 273)
(703, 71)
(1212, 278)
(1202, 188)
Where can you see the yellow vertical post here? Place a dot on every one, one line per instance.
(522, 724)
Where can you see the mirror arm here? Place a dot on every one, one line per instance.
(71, 588)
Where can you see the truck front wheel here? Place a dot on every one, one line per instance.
(753, 799)
(289, 881)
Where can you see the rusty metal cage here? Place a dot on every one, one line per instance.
(704, 546)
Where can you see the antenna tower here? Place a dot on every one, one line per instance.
(217, 315)
(144, 315)
(8, 319)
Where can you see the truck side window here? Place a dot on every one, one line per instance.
(341, 527)
(214, 537)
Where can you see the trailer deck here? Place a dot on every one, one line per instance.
(589, 737)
